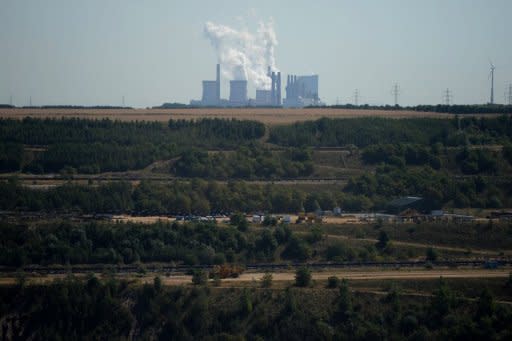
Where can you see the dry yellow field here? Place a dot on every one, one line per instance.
(266, 115)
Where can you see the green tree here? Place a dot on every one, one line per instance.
(485, 304)
(199, 277)
(344, 309)
(443, 300)
(238, 219)
(157, 283)
(431, 254)
(266, 280)
(333, 282)
(315, 234)
(303, 277)
(383, 240)
(246, 303)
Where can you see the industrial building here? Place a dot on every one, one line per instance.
(238, 93)
(301, 91)
(211, 92)
(272, 97)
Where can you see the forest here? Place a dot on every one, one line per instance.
(249, 162)
(93, 146)
(365, 131)
(440, 108)
(230, 168)
(193, 243)
(72, 309)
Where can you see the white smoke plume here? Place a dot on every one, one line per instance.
(244, 55)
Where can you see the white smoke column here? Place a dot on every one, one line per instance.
(244, 55)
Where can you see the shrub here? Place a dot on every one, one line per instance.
(303, 277)
(199, 277)
(333, 282)
(431, 254)
(266, 280)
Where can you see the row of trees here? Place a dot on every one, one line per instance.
(11, 157)
(114, 310)
(179, 197)
(204, 132)
(92, 146)
(401, 155)
(189, 244)
(368, 191)
(250, 162)
(438, 188)
(98, 157)
(441, 108)
(367, 131)
(470, 161)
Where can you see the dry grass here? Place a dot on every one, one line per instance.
(269, 116)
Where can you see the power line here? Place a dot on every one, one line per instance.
(509, 96)
(356, 97)
(447, 96)
(491, 75)
(396, 93)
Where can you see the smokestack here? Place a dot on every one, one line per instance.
(278, 88)
(269, 72)
(273, 89)
(218, 83)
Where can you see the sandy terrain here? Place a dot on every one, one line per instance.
(289, 276)
(358, 275)
(141, 219)
(265, 115)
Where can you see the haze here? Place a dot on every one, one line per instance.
(96, 52)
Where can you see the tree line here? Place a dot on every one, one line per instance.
(191, 243)
(440, 108)
(91, 308)
(365, 131)
(438, 188)
(199, 197)
(466, 160)
(179, 197)
(250, 162)
(92, 146)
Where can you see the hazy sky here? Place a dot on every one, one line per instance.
(96, 51)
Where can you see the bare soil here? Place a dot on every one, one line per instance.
(351, 274)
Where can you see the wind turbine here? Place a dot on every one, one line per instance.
(491, 76)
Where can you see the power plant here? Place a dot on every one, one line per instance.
(300, 91)
(211, 91)
(238, 93)
(272, 97)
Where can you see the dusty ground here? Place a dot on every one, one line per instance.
(351, 274)
(289, 276)
(265, 115)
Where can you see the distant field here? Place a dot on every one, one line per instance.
(265, 115)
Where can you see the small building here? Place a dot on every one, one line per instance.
(258, 219)
(403, 203)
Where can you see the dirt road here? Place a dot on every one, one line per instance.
(358, 275)
(289, 276)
